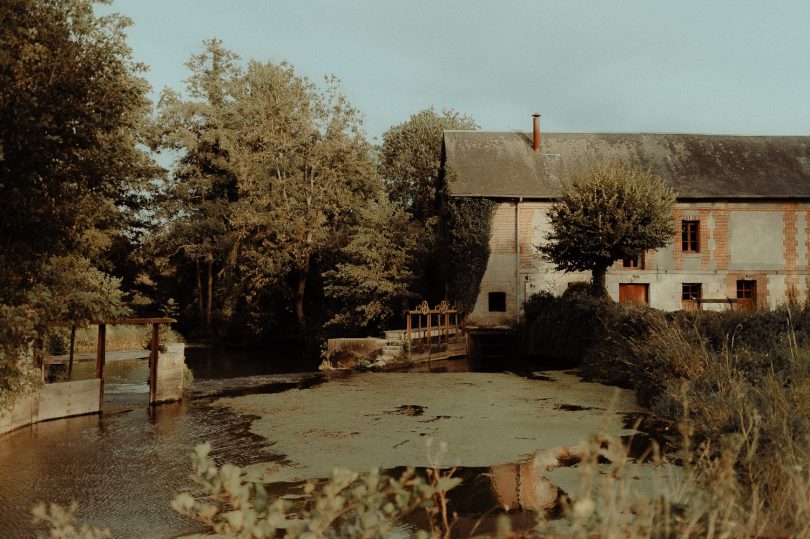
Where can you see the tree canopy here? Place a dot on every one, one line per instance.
(72, 173)
(410, 158)
(71, 103)
(272, 173)
(609, 211)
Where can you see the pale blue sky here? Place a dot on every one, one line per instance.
(736, 67)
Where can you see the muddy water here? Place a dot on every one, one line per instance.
(124, 466)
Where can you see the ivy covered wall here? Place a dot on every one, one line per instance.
(465, 228)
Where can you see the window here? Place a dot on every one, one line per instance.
(690, 236)
(691, 291)
(497, 302)
(746, 289)
(633, 262)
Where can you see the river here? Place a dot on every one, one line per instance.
(286, 426)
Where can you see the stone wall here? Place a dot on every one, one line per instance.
(766, 242)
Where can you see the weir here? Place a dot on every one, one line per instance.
(79, 397)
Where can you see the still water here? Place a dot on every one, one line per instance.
(125, 465)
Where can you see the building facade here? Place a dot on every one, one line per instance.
(742, 221)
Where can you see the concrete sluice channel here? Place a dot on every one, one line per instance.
(286, 427)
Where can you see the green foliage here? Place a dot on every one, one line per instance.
(60, 522)
(304, 170)
(565, 329)
(466, 227)
(70, 289)
(17, 331)
(410, 159)
(196, 201)
(71, 104)
(273, 172)
(724, 373)
(348, 504)
(371, 283)
(610, 211)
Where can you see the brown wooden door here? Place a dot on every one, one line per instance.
(637, 294)
(746, 295)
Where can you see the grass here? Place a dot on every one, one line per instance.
(738, 384)
(118, 338)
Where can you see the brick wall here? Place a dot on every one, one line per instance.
(720, 255)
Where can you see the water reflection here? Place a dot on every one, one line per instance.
(124, 466)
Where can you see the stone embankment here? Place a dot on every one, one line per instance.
(394, 349)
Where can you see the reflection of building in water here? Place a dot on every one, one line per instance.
(525, 485)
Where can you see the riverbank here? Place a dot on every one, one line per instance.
(735, 384)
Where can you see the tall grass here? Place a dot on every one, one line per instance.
(739, 385)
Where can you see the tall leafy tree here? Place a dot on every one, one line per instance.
(303, 168)
(200, 126)
(409, 161)
(410, 158)
(72, 109)
(372, 281)
(72, 103)
(609, 211)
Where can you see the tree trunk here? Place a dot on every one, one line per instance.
(72, 347)
(210, 294)
(299, 293)
(598, 288)
(200, 301)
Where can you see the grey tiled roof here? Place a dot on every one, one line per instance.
(503, 164)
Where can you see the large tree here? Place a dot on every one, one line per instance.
(409, 162)
(372, 281)
(410, 159)
(71, 105)
(200, 126)
(609, 211)
(304, 169)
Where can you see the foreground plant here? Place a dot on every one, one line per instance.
(61, 523)
(348, 504)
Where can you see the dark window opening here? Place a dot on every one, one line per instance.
(746, 289)
(497, 302)
(690, 236)
(691, 291)
(633, 262)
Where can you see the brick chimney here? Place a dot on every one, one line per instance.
(536, 144)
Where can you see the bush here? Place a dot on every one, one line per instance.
(740, 382)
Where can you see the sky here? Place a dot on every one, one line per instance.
(669, 66)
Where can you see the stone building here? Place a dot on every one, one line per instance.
(742, 219)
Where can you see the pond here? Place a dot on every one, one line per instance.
(265, 412)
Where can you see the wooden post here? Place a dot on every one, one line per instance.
(429, 316)
(419, 332)
(408, 325)
(72, 348)
(447, 329)
(101, 357)
(153, 363)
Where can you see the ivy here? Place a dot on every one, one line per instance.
(466, 228)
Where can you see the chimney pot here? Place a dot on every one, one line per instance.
(536, 143)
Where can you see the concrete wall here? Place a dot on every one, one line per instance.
(51, 401)
(170, 373)
(763, 241)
